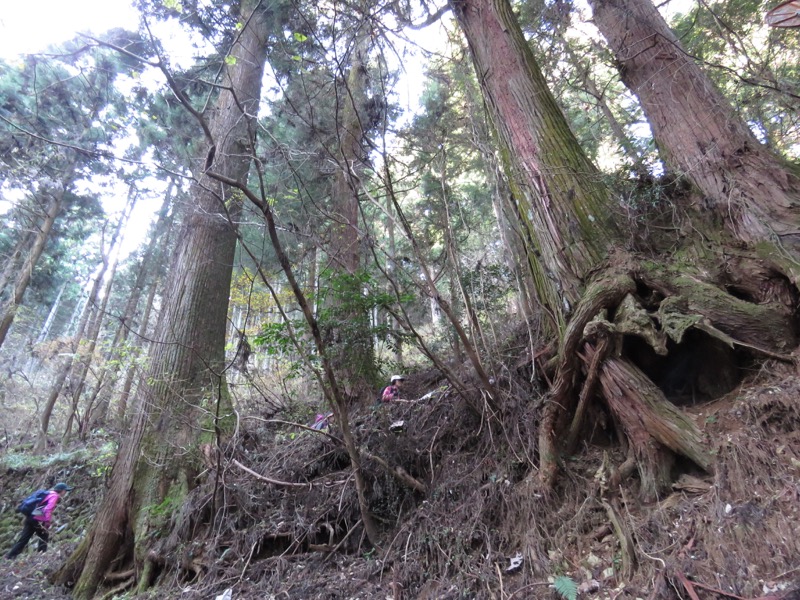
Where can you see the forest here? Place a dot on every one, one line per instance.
(571, 228)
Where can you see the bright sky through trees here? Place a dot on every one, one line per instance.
(26, 28)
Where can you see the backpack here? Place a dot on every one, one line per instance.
(32, 502)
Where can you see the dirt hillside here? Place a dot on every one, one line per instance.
(454, 490)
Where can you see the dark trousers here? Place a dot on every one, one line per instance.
(31, 527)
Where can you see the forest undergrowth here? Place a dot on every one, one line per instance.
(454, 489)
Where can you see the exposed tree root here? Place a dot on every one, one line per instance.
(623, 533)
(129, 582)
(607, 292)
(651, 424)
(119, 575)
(662, 308)
(587, 393)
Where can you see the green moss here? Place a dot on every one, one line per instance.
(162, 512)
(16, 461)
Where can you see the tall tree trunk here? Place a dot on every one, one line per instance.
(567, 214)
(354, 361)
(25, 241)
(561, 200)
(390, 232)
(158, 459)
(565, 209)
(747, 187)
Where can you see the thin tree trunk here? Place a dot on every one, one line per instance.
(509, 234)
(155, 250)
(33, 361)
(66, 366)
(618, 131)
(26, 271)
(81, 370)
(390, 227)
(141, 336)
(12, 260)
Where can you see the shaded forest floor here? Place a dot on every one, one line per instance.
(481, 529)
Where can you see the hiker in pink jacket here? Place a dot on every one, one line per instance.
(392, 391)
(39, 521)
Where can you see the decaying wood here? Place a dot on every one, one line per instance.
(691, 485)
(592, 377)
(118, 588)
(689, 299)
(622, 531)
(398, 473)
(269, 480)
(680, 299)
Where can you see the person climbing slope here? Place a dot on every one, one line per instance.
(37, 521)
(392, 391)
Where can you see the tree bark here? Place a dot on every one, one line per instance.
(26, 240)
(568, 224)
(744, 185)
(185, 384)
(354, 360)
(652, 425)
(564, 206)
(26, 271)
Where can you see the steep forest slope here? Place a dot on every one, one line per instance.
(578, 238)
(459, 515)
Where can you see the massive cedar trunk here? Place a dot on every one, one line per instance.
(182, 402)
(605, 303)
(565, 209)
(747, 188)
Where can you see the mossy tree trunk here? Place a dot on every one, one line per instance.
(565, 211)
(564, 207)
(182, 403)
(598, 298)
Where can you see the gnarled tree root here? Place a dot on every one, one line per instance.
(746, 306)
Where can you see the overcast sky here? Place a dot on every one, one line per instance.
(26, 28)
